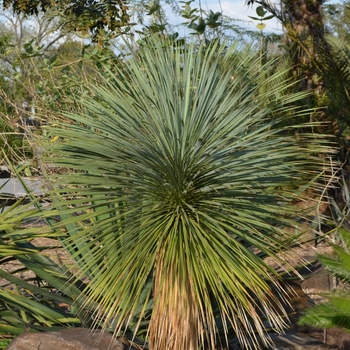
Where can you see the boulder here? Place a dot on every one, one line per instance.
(289, 341)
(333, 336)
(316, 277)
(67, 339)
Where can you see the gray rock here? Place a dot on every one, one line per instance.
(14, 187)
(67, 339)
(332, 337)
(294, 342)
(317, 278)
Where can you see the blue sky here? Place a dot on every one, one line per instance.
(235, 9)
(238, 9)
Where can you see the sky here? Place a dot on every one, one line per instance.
(233, 8)
(238, 9)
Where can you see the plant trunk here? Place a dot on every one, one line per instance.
(175, 317)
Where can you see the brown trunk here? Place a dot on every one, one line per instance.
(303, 21)
(174, 324)
(303, 24)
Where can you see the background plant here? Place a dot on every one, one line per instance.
(36, 292)
(335, 311)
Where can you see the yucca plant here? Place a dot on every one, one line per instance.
(179, 183)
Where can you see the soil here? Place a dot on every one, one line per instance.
(53, 251)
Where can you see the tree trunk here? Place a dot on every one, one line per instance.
(175, 318)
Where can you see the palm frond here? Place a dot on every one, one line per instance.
(336, 311)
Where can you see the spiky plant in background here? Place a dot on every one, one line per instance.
(336, 311)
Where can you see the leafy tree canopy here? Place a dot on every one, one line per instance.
(86, 16)
(337, 16)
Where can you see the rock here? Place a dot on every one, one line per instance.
(295, 342)
(67, 339)
(288, 341)
(334, 336)
(317, 277)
